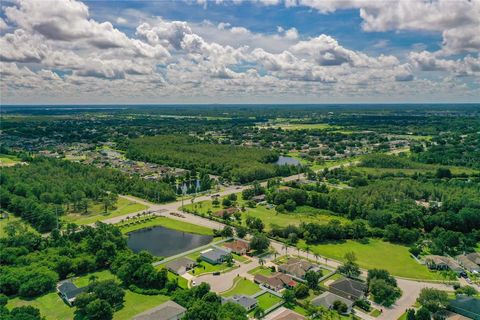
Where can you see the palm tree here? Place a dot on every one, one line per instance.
(261, 261)
(316, 257)
(285, 247)
(307, 249)
(298, 251)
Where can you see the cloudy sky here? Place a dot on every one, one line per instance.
(234, 51)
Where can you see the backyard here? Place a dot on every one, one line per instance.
(242, 286)
(376, 254)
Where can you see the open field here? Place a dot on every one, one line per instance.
(242, 286)
(305, 126)
(54, 308)
(96, 212)
(376, 254)
(407, 171)
(167, 223)
(270, 216)
(8, 160)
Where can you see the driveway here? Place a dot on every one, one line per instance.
(224, 281)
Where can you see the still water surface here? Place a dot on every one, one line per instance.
(160, 241)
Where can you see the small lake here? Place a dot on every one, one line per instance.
(164, 242)
(287, 161)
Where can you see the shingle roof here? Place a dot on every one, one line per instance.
(466, 306)
(165, 311)
(70, 290)
(327, 299)
(245, 301)
(179, 263)
(348, 288)
(214, 254)
(474, 257)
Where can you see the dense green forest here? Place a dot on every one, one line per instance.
(47, 187)
(241, 164)
(400, 210)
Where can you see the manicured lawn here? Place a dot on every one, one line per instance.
(333, 277)
(242, 286)
(306, 126)
(136, 303)
(205, 267)
(167, 223)
(425, 169)
(241, 259)
(182, 282)
(375, 313)
(267, 300)
(261, 270)
(96, 212)
(376, 254)
(403, 317)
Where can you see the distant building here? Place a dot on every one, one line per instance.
(297, 267)
(214, 255)
(327, 300)
(166, 311)
(349, 289)
(276, 281)
(468, 264)
(442, 263)
(245, 301)
(466, 306)
(180, 265)
(259, 198)
(238, 246)
(69, 291)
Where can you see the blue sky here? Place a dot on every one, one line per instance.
(268, 51)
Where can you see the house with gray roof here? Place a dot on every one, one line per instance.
(466, 306)
(442, 263)
(69, 291)
(214, 255)
(169, 310)
(297, 267)
(181, 265)
(247, 302)
(468, 264)
(349, 289)
(327, 300)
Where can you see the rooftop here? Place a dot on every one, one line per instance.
(165, 311)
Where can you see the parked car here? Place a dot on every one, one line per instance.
(216, 273)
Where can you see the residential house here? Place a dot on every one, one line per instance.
(297, 267)
(474, 257)
(181, 265)
(166, 311)
(468, 264)
(327, 300)
(69, 291)
(276, 281)
(349, 289)
(283, 313)
(239, 247)
(247, 302)
(442, 263)
(214, 255)
(466, 306)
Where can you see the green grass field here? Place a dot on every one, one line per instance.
(242, 286)
(205, 267)
(267, 300)
(261, 270)
(305, 126)
(376, 254)
(8, 160)
(167, 223)
(12, 218)
(270, 216)
(426, 168)
(96, 212)
(52, 307)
